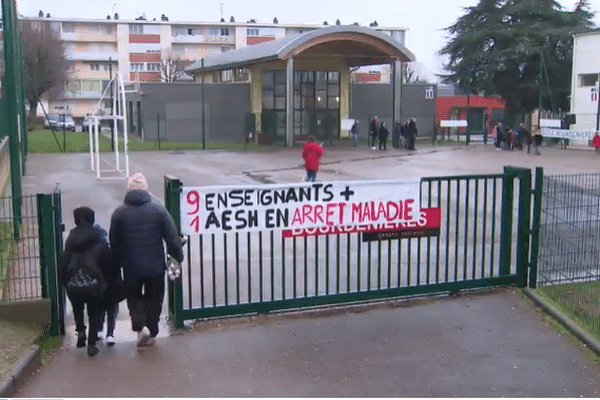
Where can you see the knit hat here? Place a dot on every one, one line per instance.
(84, 214)
(137, 181)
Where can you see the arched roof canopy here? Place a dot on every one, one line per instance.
(358, 45)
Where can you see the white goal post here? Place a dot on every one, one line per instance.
(117, 165)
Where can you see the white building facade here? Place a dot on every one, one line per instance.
(584, 80)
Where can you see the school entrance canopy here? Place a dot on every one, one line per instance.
(311, 71)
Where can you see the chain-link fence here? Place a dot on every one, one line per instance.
(569, 256)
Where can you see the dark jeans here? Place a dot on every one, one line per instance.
(145, 302)
(111, 319)
(93, 312)
(372, 138)
(382, 144)
(311, 176)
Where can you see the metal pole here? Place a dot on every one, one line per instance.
(203, 108)
(21, 97)
(112, 102)
(64, 116)
(158, 130)
(598, 101)
(8, 19)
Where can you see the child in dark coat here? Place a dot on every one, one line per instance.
(84, 242)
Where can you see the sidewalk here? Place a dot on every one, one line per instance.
(490, 344)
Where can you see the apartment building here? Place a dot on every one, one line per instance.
(98, 48)
(584, 81)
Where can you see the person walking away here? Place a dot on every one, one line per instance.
(85, 270)
(596, 143)
(404, 134)
(354, 132)
(412, 133)
(396, 132)
(312, 153)
(499, 136)
(383, 136)
(138, 228)
(525, 136)
(537, 142)
(373, 132)
(110, 312)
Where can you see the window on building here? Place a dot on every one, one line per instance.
(107, 104)
(91, 85)
(95, 67)
(178, 31)
(74, 86)
(191, 31)
(226, 75)
(55, 26)
(224, 49)
(108, 29)
(588, 79)
(224, 31)
(137, 66)
(252, 32)
(106, 67)
(154, 67)
(241, 74)
(93, 29)
(68, 27)
(136, 29)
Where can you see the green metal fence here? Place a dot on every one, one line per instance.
(29, 254)
(259, 272)
(568, 264)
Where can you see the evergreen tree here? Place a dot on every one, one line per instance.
(521, 50)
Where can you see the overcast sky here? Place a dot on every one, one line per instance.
(424, 19)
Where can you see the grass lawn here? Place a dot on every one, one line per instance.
(15, 341)
(579, 301)
(44, 141)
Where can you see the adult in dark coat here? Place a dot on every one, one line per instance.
(412, 133)
(373, 131)
(397, 131)
(137, 230)
(383, 136)
(85, 240)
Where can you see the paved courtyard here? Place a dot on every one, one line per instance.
(483, 345)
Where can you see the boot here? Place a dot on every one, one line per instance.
(80, 339)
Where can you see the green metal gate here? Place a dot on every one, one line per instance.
(483, 242)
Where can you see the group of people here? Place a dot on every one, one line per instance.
(100, 270)
(403, 135)
(312, 151)
(515, 139)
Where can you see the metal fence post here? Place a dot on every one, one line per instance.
(524, 219)
(506, 219)
(50, 283)
(59, 228)
(175, 289)
(535, 228)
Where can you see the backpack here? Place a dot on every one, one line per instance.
(87, 283)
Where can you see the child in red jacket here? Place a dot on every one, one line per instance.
(311, 153)
(596, 143)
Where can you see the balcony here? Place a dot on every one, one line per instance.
(96, 56)
(81, 95)
(89, 37)
(203, 39)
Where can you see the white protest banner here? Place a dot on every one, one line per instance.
(219, 209)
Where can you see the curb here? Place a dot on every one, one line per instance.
(568, 323)
(16, 378)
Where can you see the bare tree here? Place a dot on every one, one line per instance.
(409, 74)
(172, 68)
(45, 64)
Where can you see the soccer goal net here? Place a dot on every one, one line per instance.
(108, 133)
